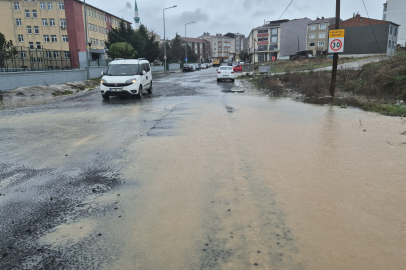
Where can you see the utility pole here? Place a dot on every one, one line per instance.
(335, 59)
(86, 40)
(298, 45)
(163, 12)
(186, 42)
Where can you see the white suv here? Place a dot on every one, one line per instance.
(126, 77)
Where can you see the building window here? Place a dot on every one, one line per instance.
(20, 38)
(31, 44)
(46, 38)
(49, 55)
(66, 54)
(384, 17)
(389, 44)
(323, 26)
(23, 55)
(63, 23)
(44, 22)
(40, 60)
(29, 30)
(385, 7)
(312, 27)
(274, 39)
(90, 27)
(34, 13)
(64, 38)
(322, 35)
(18, 22)
(16, 5)
(56, 54)
(321, 43)
(36, 30)
(50, 5)
(42, 5)
(39, 45)
(61, 5)
(311, 44)
(32, 59)
(51, 22)
(27, 13)
(396, 32)
(312, 35)
(53, 38)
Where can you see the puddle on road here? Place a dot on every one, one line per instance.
(299, 187)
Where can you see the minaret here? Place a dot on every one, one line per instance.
(136, 18)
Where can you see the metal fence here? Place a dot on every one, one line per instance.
(19, 59)
(99, 63)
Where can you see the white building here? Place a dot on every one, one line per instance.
(221, 47)
(395, 11)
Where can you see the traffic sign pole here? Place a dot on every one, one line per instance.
(335, 59)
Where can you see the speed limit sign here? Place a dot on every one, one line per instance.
(336, 41)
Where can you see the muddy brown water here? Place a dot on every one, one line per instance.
(230, 181)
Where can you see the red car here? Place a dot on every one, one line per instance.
(237, 68)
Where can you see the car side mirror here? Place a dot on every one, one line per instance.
(144, 72)
(102, 73)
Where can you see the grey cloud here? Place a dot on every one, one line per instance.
(197, 16)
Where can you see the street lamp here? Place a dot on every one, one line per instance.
(163, 11)
(186, 41)
(298, 45)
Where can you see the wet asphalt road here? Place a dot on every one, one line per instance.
(197, 176)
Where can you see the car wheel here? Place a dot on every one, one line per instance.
(150, 89)
(233, 80)
(140, 92)
(218, 80)
(105, 97)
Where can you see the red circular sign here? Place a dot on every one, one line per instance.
(336, 48)
(273, 58)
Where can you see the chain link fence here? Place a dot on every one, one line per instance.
(18, 59)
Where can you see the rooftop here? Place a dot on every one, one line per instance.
(361, 21)
(102, 11)
(322, 20)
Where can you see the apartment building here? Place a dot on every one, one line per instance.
(264, 41)
(293, 37)
(317, 35)
(239, 41)
(395, 11)
(57, 25)
(200, 46)
(369, 36)
(221, 47)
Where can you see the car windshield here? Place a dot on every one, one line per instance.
(122, 70)
(226, 68)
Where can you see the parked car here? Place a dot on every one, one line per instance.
(196, 66)
(187, 68)
(126, 77)
(237, 68)
(230, 64)
(203, 65)
(225, 72)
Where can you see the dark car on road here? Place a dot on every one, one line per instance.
(188, 67)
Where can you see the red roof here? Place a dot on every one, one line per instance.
(360, 21)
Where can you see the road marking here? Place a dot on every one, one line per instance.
(83, 141)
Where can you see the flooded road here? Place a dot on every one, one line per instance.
(198, 176)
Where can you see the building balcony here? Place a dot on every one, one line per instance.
(263, 35)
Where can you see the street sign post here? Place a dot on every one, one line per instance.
(273, 58)
(165, 57)
(186, 59)
(336, 41)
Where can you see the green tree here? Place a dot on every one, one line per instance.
(121, 50)
(141, 40)
(243, 56)
(7, 49)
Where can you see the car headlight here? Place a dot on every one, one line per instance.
(103, 81)
(131, 81)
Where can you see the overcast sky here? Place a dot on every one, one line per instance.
(222, 16)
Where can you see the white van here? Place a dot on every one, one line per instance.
(126, 77)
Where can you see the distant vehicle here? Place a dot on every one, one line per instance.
(230, 64)
(225, 72)
(203, 66)
(196, 65)
(126, 77)
(187, 68)
(207, 65)
(237, 68)
(216, 62)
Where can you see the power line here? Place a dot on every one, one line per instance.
(373, 31)
(285, 10)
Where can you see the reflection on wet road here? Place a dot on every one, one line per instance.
(200, 176)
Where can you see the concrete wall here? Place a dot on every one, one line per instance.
(396, 10)
(12, 80)
(174, 66)
(361, 39)
(157, 68)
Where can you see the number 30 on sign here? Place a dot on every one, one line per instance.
(336, 41)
